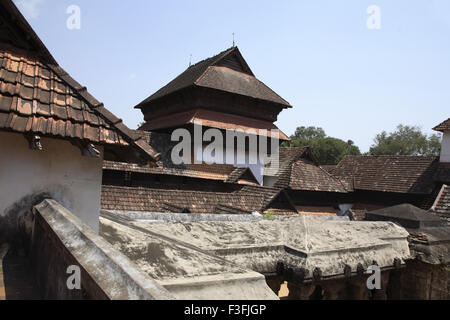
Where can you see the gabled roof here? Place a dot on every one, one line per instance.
(298, 169)
(444, 126)
(307, 176)
(397, 174)
(227, 72)
(286, 157)
(38, 96)
(246, 200)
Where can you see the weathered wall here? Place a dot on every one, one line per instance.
(422, 281)
(61, 240)
(59, 172)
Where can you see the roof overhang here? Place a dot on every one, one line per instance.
(217, 120)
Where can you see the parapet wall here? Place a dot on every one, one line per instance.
(60, 240)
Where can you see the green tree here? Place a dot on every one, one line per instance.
(326, 149)
(406, 140)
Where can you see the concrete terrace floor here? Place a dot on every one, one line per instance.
(16, 277)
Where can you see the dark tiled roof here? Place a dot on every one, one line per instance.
(298, 170)
(247, 199)
(328, 167)
(399, 174)
(210, 74)
(442, 203)
(226, 173)
(406, 215)
(307, 176)
(443, 173)
(236, 174)
(286, 157)
(444, 126)
(38, 96)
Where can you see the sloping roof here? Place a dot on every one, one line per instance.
(237, 173)
(286, 156)
(226, 173)
(38, 96)
(211, 73)
(406, 215)
(398, 174)
(307, 176)
(443, 173)
(444, 126)
(213, 119)
(442, 204)
(247, 199)
(298, 169)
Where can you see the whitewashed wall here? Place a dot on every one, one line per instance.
(445, 152)
(59, 170)
(257, 169)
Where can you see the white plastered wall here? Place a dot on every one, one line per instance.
(445, 151)
(59, 170)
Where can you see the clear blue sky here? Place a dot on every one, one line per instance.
(317, 54)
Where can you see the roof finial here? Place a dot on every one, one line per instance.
(234, 45)
(190, 60)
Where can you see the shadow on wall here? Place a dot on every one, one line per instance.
(16, 223)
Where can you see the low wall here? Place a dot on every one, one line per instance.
(60, 240)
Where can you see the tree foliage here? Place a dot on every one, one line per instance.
(406, 140)
(327, 150)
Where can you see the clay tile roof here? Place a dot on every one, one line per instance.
(216, 172)
(236, 174)
(442, 203)
(38, 96)
(307, 176)
(443, 173)
(299, 170)
(444, 126)
(399, 174)
(246, 200)
(220, 172)
(211, 73)
(286, 157)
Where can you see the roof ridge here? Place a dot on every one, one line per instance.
(444, 125)
(387, 156)
(25, 26)
(439, 196)
(335, 178)
(212, 57)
